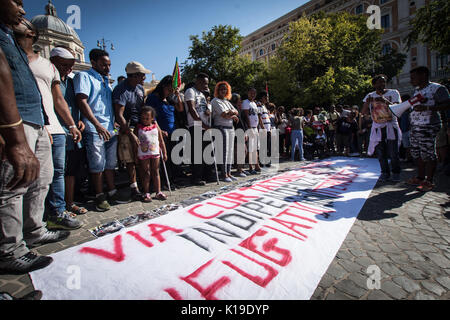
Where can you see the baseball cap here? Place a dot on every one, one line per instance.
(61, 52)
(136, 67)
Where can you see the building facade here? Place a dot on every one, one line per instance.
(54, 32)
(395, 17)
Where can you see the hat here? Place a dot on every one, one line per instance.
(136, 67)
(62, 52)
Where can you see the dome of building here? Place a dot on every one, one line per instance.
(54, 32)
(50, 21)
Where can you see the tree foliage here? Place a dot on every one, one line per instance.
(431, 26)
(324, 59)
(217, 54)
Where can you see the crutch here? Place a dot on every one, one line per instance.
(214, 150)
(165, 171)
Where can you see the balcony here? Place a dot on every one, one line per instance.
(441, 74)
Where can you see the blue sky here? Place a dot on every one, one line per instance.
(155, 32)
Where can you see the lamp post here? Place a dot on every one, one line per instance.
(102, 44)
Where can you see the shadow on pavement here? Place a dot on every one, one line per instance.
(377, 206)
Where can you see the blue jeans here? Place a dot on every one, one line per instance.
(55, 198)
(297, 138)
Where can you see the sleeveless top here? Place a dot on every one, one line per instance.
(149, 142)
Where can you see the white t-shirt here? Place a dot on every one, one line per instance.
(265, 117)
(252, 112)
(421, 118)
(201, 106)
(380, 110)
(218, 107)
(46, 75)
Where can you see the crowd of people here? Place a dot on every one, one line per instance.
(60, 132)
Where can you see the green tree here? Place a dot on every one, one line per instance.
(217, 54)
(431, 26)
(390, 64)
(324, 59)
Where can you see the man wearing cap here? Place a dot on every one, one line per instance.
(94, 99)
(63, 59)
(128, 99)
(48, 80)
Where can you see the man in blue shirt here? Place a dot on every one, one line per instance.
(24, 177)
(94, 99)
(128, 99)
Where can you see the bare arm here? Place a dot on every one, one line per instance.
(16, 149)
(365, 108)
(87, 112)
(62, 109)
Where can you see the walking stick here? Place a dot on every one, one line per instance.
(165, 171)
(214, 150)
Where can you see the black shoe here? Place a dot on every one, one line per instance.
(136, 195)
(34, 295)
(25, 264)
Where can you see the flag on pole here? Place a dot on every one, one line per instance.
(176, 76)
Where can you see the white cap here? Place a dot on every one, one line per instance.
(136, 67)
(61, 52)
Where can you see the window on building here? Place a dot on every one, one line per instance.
(441, 61)
(385, 21)
(359, 9)
(386, 48)
(274, 46)
(412, 3)
(261, 52)
(383, 1)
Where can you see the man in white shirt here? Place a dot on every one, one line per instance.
(198, 114)
(252, 119)
(386, 135)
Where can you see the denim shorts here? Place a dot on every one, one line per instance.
(101, 155)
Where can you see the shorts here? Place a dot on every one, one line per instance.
(423, 142)
(101, 155)
(125, 152)
(406, 143)
(75, 162)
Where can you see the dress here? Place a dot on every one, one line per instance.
(149, 142)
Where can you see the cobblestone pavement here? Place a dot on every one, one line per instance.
(404, 233)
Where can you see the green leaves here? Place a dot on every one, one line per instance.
(431, 26)
(324, 59)
(217, 54)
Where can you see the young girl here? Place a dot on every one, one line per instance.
(151, 145)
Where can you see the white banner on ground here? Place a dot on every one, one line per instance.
(272, 241)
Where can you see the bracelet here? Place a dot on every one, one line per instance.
(7, 126)
(72, 127)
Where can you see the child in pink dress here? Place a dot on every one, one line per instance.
(151, 146)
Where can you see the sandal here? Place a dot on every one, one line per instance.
(146, 198)
(414, 181)
(425, 186)
(74, 209)
(161, 196)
